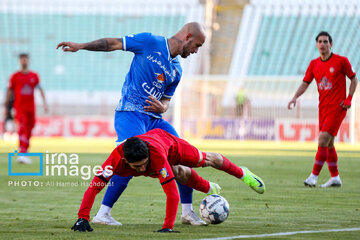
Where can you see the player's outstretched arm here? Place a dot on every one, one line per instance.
(172, 201)
(82, 224)
(302, 88)
(103, 45)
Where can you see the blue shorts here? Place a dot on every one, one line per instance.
(129, 124)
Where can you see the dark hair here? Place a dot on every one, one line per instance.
(323, 33)
(21, 55)
(135, 150)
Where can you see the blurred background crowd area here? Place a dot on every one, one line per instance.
(237, 86)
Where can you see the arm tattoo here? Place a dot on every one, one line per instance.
(98, 45)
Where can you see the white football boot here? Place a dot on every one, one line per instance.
(311, 181)
(106, 219)
(333, 182)
(193, 219)
(24, 160)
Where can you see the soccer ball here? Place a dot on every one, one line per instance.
(214, 209)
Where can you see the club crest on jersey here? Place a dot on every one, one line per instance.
(332, 69)
(324, 84)
(160, 77)
(164, 173)
(160, 65)
(26, 90)
(106, 174)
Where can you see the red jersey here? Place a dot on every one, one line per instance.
(330, 76)
(23, 86)
(165, 150)
(163, 153)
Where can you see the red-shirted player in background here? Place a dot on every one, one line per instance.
(159, 154)
(330, 71)
(22, 85)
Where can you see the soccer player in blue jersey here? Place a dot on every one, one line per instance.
(149, 85)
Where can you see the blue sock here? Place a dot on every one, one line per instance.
(116, 187)
(186, 193)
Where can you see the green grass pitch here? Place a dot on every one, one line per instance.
(49, 211)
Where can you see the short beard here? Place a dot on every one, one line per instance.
(185, 52)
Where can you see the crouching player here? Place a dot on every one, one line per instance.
(159, 154)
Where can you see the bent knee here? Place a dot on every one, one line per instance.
(213, 159)
(182, 173)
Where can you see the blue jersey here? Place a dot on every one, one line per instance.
(152, 72)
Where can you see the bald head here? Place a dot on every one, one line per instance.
(188, 40)
(194, 28)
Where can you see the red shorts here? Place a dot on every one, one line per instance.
(188, 155)
(26, 120)
(331, 119)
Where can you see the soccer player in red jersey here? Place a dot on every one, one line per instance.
(22, 84)
(330, 71)
(159, 154)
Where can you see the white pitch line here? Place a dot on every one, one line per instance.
(284, 234)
